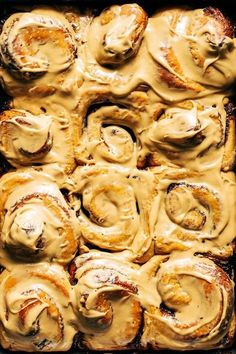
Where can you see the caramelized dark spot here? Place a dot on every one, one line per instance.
(43, 109)
(167, 310)
(172, 186)
(40, 244)
(130, 287)
(78, 343)
(22, 121)
(65, 193)
(2, 269)
(42, 151)
(5, 101)
(72, 271)
(225, 24)
(129, 130)
(42, 344)
(5, 166)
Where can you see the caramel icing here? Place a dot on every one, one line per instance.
(190, 135)
(117, 33)
(189, 208)
(32, 62)
(105, 139)
(35, 220)
(128, 116)
(36, 312)
(186, 284)
(34, 138)
(103, 294)
(113, 212)
(25, 137)
(200, 296)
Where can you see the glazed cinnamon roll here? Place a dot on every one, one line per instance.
(113, 207)
(117, 33)
(107, 130)
(24, 138)
(195, 49)
(189, 135)
(197, 309)
(36, 221)
(35, 309)
(185, 54)
(32, 44)
(193, 212)
(106, 138)
(103, 294)
(28, 139)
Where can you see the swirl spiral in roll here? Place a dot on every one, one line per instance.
(194, 50)
(186, 136)
(24, 138)
(35, 309)
(119, 32)
(185, 54)
(33, 44)
(190, 213)
(35, 219)
(106, 138)
(113, 212)
(103, 294)
(198, 305)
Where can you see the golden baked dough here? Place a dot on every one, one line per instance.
(35, 220)
(192, 134)
(103, 294)
(192, 208)
(119, 32)
(197, 305)
(27, 138)
(117, 190)
(35, 306)
(24, 45)
(113, 209)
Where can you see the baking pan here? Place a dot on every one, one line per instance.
(227, 7)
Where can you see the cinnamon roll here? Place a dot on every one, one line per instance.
(188, 135)
(193, 212)
(185, 54)
(106, 138)
(36, 221)
(28, 139)
(113, 207)
(108, 130)
(103, 294)
(32, 44)
(35, 309)
(25, 138)
(197, 51)
(117, 33)
(197, 310)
